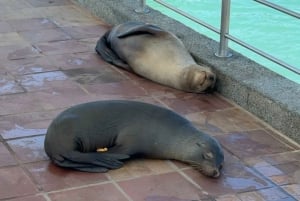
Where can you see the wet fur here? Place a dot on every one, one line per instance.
(128, 129)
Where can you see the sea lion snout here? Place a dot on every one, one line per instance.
(211, 76)
(217, 171)
(211, 171)
(207, 157)
(198, 79)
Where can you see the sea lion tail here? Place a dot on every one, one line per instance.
(103, 48)
(91, 161)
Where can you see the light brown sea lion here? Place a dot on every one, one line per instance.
(155, 54)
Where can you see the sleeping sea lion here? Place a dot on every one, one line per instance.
(155, 54)
(120, 130)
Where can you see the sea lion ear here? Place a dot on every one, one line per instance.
(208, 155)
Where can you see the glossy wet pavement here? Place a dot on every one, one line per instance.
(48, 63)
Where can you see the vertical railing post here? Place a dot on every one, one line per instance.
(142, 8)
(225, 18)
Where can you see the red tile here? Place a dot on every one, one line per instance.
(116, 90)
(168, 198)
(19, 103)
(282, 174)
(19, 131)
(181, 165)
(228, 198)
(204, 122)
(148, 99)
(282, 179)
(30, 198)
(29, 65)
(275, 194)
(26, 124)
(139, 168)
(168, 186)
(14, 183)
(90, 43)
(235, 178)
(225, 121)
(31, 24)
(50, 99)
(282, 137)
(5, 27)
(252, 143)
(29, 149)
(62, 47)
(13, 5)
(51, 177)
(281, 158)
(293, 189)
(186, 103)
(6, 158)
(24, 52)
(45, 35)
(250, 196)
(78, 60)
(42, 81)
(80, 32)
(9, 86)
(3, 71)
(269, 171)
(18, 52)
(153, 88)
(61, 96)
(90, 76)
(103, 192)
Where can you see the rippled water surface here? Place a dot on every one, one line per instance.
(256, 24)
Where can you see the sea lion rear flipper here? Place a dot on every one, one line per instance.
(142, 29)
(92, 161)
(107, 54)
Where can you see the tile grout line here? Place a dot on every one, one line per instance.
(146, 175)
(180, 171)
(79, 187)
(265, 124)
(119, 188)
(46, 196)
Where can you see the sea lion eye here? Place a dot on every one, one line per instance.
(207, 155)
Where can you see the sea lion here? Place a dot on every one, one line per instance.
(155, 54)
(125, 129)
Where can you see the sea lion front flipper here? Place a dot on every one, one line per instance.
(107, 54)
(142, 29)
(85, 161)
(80, 166)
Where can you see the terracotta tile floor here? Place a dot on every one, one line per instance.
(48, 63)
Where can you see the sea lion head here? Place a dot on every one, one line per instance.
(207, 157)
(198, 79)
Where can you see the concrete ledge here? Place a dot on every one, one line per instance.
(267, 95)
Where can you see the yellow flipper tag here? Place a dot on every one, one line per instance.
(102, 149)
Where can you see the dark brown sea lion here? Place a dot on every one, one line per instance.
(126, 129)
(155, 54)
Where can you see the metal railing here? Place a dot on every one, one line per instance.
(224, 29)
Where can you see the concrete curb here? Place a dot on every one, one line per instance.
(274, 99)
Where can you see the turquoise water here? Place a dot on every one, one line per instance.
(260, 26)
